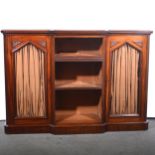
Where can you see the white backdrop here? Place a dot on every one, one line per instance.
(79, 14)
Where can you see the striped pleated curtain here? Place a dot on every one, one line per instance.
(124, 80)
(30, 82)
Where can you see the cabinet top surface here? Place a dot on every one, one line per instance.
(77, 32)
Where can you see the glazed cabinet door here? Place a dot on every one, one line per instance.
(28, 77)
(126, 70)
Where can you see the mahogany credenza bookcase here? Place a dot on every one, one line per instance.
(66, 82)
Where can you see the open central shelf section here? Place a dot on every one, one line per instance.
(78, 75)
(78, 107)
(78, 49)
(78, 80)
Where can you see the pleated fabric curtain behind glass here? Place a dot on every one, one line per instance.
(30, 82)
(124, 80)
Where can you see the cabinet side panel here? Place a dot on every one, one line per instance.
(8, 80)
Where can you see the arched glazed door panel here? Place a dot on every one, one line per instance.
(124, 80)
(126, 72)
(30, 79)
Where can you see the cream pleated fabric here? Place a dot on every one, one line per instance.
(30, 82)
(124, 80)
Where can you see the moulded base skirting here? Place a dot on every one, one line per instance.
(76, 129)
(14, 129)
(82, 129)
(127, 126)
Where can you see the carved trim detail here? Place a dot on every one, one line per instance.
(43, 43)
(15, 43)
(113, 43)
(139, 43)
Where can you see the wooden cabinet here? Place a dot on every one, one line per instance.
(76, 81)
